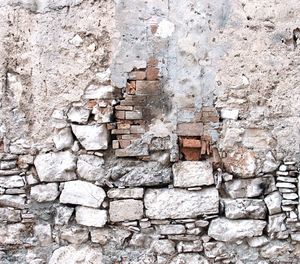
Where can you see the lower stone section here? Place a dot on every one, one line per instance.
(180, 203)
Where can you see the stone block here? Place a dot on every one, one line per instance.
(92, 137)
(180, 203)
(44, 192)
(11, 182)
(226, 230)
(91, 168)
(118, 193)
(126, 210)
(59, 166)
(273, 202)
(190, 129)
(245, 208)
(192, 173)
(79, 115)
(82, 193)
(90, 216)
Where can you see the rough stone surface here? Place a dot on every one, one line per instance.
(226, 230)
(90, 168)
(134, 193)
(245, 208)
(82, 193)
(273, 202)
(126, 210)
(92, 137)
(44, 192)
(90, 216)
(72, 254)
(179, 203)
(192, 173)
(52, 167)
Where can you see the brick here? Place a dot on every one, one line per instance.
(133, 100)
(190, 129)
(137, 129)
(133, 115)
(90, 104)
(154, 28)
(137, 75)
(131, 136)
(124, 107)
(152, 62)
(120, 114)
(115, 144)
(147, 88)
(120, 131)
(123, 125)
(191, 143)
(191, 154)
(131, 87)
(152, 73)
(124, 143)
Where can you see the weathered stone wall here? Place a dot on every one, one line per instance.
(154, 131)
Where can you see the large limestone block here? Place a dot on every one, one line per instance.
(92, 137)
(124, 210)
(90, 168)
(180, 203)
(76, 254)
(273, 202)
(63, 138)
(44, 192)
(243, 188)
(59, 166)
(82, 193)
(223, 229)
(90, 217)
(245, 208)
(193, 173)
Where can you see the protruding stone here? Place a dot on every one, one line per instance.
(192, 173)
(44, 192)
(92, 137)
(273, 202)
(82, 193)
(79, 115)
(99, 92)
(43, 234)
(91, 168)
(63, 138)
(91, 217)
(241, 162)
(180, 203)
(245, 208)
(126, 210)
(257, 241)
(230, 113)
(226, 230)
(52, 167)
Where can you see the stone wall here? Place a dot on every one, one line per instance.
(154, 131)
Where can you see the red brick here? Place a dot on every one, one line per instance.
(111, 126)
(152, 73)
(147, 88)
(123, 125)
(137, 75)
(120, 114)
(120, 131)
(154, 28)
(191, 143)
(90, 104)
(191, 154)
(124, 143)
(130, 87)
(190, 129)
(124, 107)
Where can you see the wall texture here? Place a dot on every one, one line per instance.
(156, 131)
